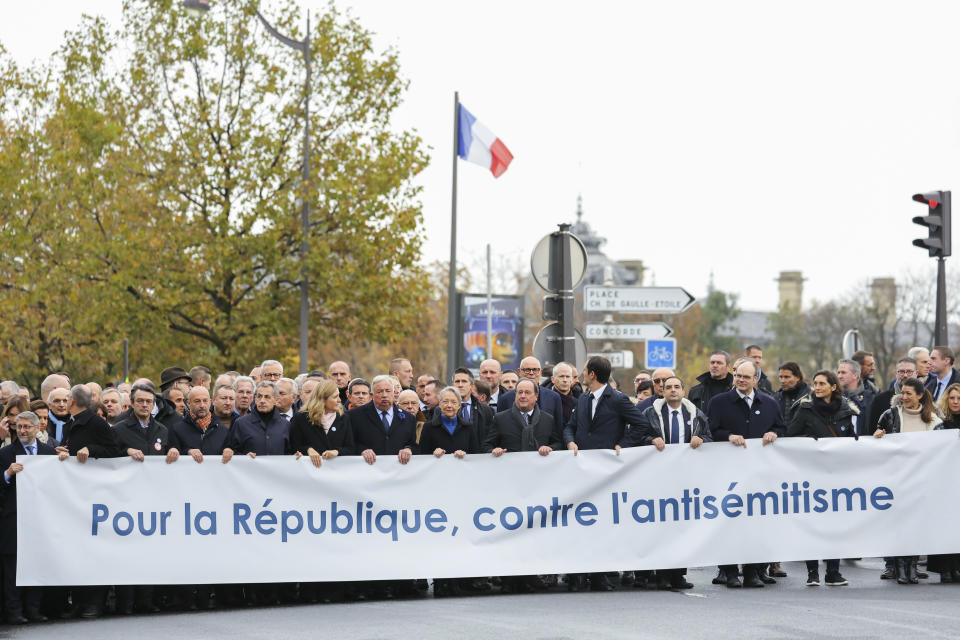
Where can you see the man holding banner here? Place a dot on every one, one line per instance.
(599, 421)
(741, 414)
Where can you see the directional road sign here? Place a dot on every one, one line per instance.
(618, 359)
(628, 332)
(661, 353)
(637, 299)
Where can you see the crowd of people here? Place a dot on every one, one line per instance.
(325, 414)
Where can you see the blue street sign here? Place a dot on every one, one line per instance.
(661, 353)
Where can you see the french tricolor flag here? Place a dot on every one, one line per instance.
(477, 144)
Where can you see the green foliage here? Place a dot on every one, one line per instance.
(150, 188)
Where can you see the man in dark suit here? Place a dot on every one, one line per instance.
(490, 373)
(549, 400)
(942, 373)
(738, 415)
(524, 427)
(599, 421)
(382, 428)
(86, 436)
(25, 600)
(478, 414)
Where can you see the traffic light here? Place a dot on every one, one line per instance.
(937, 222)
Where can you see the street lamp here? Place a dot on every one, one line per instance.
(200, 7)
(196, 8)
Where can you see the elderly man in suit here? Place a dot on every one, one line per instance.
(18, 601)
(599, 421)
(525, 427)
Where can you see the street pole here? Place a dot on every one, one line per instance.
(940, 330)
(452, 337)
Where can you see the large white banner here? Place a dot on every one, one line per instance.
(277, 519)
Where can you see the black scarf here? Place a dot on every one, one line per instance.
(827, 409)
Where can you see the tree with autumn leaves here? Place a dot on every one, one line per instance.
(149, 190)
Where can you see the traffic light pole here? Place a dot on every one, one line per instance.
(940, 330)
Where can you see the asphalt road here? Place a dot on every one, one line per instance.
(867, 608)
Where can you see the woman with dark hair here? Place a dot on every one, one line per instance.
(824, 413)
(792, 388)
(8, 418)
(644, 390)
(912, 411)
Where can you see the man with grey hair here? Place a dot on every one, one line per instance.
(18, 600)
(8, 389)
(403, 370)
(112, 401)
(271, 370)
(244, 387)
(848, 373)
(287, 394)
(380, 428)
(262, 431)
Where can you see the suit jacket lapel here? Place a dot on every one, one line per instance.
(603, 396)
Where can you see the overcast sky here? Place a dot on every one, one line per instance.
(744, 138)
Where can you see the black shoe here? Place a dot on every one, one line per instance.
(834, 579)
(627, 578)
(70, 612)
(17, 619)
(36, 616)
(679, 582)
(901, 564)
(663, 583)
(777, 571)
(600, 582)
(576, 582)
(888, 574)
(912, 574)
(720, 578)
(764, 578)
(922, 575)
(91, 612)
(751, 580)
(955, 574)
(813, 578)
(733, 582)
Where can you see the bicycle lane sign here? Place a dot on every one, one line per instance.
(661, 353)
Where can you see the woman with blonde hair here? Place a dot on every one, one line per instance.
(320, 430)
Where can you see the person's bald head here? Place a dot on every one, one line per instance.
(659, 376)
(51, 382)
(530, 368)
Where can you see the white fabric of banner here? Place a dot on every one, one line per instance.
(120, 521)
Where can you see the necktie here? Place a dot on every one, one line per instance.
(285, 417)
(674, 428)
(939, 388)
(590, 406)
(526, 418)
(466, 411)
(386, 421)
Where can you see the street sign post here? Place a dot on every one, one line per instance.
(627, 332)
(546, 347)
(661, 353)
(637, 299)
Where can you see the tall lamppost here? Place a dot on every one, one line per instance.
(199, 8)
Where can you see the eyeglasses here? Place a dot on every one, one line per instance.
(530, 369)
(271, 376)
(901, 372)
(660, 380)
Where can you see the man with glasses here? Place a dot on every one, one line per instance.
(271, 371)
(741, 414)
(549, 400)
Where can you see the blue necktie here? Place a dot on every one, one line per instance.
(674, 428)
(386, 421)
(466, 411)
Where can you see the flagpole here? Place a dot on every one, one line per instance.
(452, 333)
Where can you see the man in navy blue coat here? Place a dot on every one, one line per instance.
(549, 400)
(741, 414)
(599, 421)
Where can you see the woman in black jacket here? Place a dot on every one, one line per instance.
(825, 413)
(447, 432)
(948, 565)
(320, 430)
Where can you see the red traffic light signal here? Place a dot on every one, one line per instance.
(937, 242)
